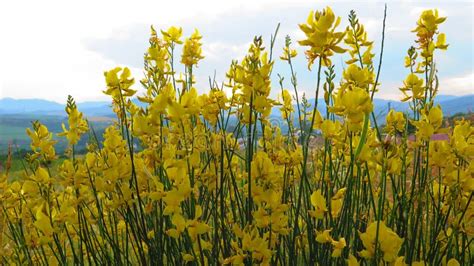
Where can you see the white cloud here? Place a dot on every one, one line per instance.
(215, 50)
(458, 85)
(44, 52)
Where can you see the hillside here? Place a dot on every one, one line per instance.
(16, 115)
(13, 129)
(449, 104)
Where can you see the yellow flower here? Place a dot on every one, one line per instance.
(331, 129)
(319, 202)
(173, 35)
(77, 125)
(118, 87)
(336, 206)
(429, 21)
(173, 199)
(262, 167)
(288, 53)
(431, 121)
(453, 262)
(435, 116)
(352, 261)
(441, 42)
(462, 139)
(413, 84)
(321, 37)
(338, 247)
(43, 223)
(353, 104)
(394, 165)
(187, 257)
(353, 74)
(318, 120)
(30, 187)
(395, 122)
(42, 142)
(192, 51)
(287, 107)
(400, 261)
(324, 237)
(356, 38)
(339, 194)
(427, 27)
(388, 241)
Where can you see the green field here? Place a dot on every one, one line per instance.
(13, 130)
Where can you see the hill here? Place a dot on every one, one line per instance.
(16, 115)
(449, 104)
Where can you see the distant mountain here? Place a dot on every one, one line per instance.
(13, 106)
(442, 98)
(96, 108)
(462, 104)
(449, 103)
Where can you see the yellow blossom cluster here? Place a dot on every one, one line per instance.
(209, 177)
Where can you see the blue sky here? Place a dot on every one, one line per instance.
(54, 48)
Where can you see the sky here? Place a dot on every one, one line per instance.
(50, 49)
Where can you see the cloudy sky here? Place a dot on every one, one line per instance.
(49, 49)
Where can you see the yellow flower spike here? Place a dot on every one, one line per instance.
(173, 35)
(189, 101)
(118, 87)
(413, 84)
(111, 77)
(321, 37)
(77, 125)
(262, 167)
(42, 143)
(424, 130)
(183, 173)
(427, 28)
(368, 56)
(353, 74)
(395, 122)
(287, 108)
(429, 124)
(140, 125)
(192, 51)
(354, 104)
